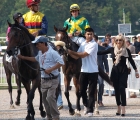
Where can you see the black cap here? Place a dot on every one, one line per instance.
(17, 15)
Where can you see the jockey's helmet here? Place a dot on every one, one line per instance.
(16, 16)
(74, 7)
(32, 2)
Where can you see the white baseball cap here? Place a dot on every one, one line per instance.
(138, 35)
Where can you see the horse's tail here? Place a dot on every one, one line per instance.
(104, 76)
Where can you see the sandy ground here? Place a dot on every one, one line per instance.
(106, 113)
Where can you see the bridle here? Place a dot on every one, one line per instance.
(67, 41)
(16, 52)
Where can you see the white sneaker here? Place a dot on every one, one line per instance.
(90, 114)
(85, 110)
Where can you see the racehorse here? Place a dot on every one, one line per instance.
(72, 68)
(25, 71)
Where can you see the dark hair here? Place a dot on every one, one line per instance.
(96, 37)
(134, 37)
(89, 30)
(128, 41)
(108, 35)
(104, 44)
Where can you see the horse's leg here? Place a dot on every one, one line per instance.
(66, 92)
(8, 76)
(42, 112)
(96, 103)
(26, 84)
(18, 81)
(31, 111)
(76, 84)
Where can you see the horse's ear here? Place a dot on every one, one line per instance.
(66, 28)
(55, 29)
(9, 24)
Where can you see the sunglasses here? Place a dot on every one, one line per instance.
(118, 40)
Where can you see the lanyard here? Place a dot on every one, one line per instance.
(42, 59)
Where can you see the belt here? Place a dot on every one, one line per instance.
(49, 78)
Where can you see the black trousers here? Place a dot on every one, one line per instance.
(120, 95)
(91, 80)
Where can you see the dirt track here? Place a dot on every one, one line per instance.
(106, 113)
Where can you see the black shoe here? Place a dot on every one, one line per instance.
(118, 114)
(122, 115)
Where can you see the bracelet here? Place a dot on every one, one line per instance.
(136, 72)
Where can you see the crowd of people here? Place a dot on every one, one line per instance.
(91, 50)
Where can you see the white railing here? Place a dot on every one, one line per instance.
(133, 83)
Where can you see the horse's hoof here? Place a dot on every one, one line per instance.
(12, 106)
(77, 113)
(71, 112)
(97, 112)
(43, 114)
(28, 117)
(32, 118)
(17, 103)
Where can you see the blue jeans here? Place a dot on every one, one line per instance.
(59, 99)
(101, 88)
(112, 92)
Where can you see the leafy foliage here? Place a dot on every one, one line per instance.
(103, 15)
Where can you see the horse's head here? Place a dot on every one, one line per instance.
(61, 35)
(17, 39)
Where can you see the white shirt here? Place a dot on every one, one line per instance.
(89, 63)
(78, 40)
(48, 60)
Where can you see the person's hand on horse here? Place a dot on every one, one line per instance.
(20, 56)
(70, 35)
(68, 51)
(48, 71)
(137, 74)
(107, 73)
(35, 34)
(77, 33)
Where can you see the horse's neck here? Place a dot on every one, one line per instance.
(28, 50)
(73, 45)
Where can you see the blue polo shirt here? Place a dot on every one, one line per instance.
(48, 60)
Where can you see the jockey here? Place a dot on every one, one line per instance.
(35, 21)
(17, 17)
(76, 24)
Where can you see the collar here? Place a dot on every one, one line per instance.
(76, 17)
(32, 12)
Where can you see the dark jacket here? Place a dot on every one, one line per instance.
(102, 60)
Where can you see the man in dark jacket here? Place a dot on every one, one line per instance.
(103, 63)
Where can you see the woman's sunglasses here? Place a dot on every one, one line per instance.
(118, 40)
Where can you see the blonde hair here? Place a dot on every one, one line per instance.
(120, 36)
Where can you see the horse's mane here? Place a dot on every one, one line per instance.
(25, 30)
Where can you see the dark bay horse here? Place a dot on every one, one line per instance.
(25, 71)
(71, 69)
